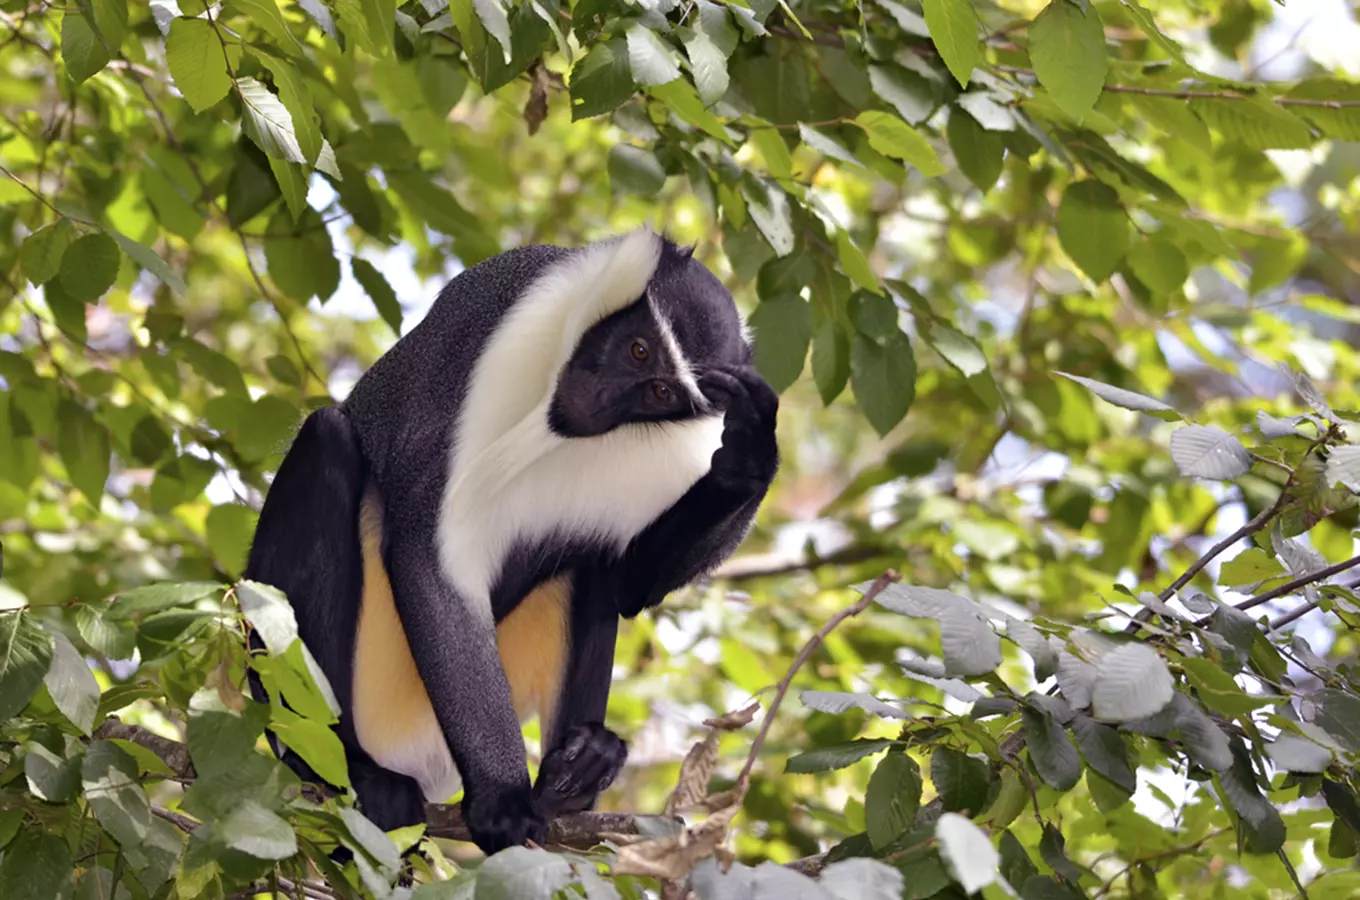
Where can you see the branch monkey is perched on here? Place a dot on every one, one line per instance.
(567, 437)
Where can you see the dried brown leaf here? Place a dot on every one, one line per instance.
(692, 786)
(735, 720)
(536, 108)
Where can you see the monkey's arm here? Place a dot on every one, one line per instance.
(705, 526)
(453, 643)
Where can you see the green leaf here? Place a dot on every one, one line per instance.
(1264, 828)
(891, 136)
(1202, 451)
(72, 685)
(652, 61)
(854, 263)
(1219, 691)
(1067, 48)
(634, 170)
(371, 839)
(1050, 749)
(783, 329)
(370, 23)
(229, 529)
(442, 212)
(197, 62)
(685, 103)
(89, 267)
(967, 851)
(148, 259)
(219, 739)
(267, 122)
(496, 21)
(266, 15)
(379, 291)
(81, 49)
(1340, 122)
(830, 360)
(156, 597)
(1254, 122)
(769, 209)
(517, 872)
(301, 256)
(292, 182)
(110, 779)
(908, 92)
(297, 99)
(773, 151)
(1119, 396)
(1132, 682)
(980, 153)
(962, 781)
(40, 255)
(826, 759)
(954, 29)
(36, 864)
(85, 449)
(1104, 751)
(315, 742)
(602, 81)
(892, 798)
(1338, 713)
(1092, 226)
(883, 377)
(957, 349)
(256, 831)
(1249, 567)
(51, 777)
(708, 46)
(1159, 264)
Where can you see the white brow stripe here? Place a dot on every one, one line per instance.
(683, 370)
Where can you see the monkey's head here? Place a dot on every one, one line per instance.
(643, 363)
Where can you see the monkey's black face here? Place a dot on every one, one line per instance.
(624, 370)
(644, 363)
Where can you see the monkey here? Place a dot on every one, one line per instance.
(567, 437)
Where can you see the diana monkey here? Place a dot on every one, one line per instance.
(567, 437)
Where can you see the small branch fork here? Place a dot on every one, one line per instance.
(879, 586)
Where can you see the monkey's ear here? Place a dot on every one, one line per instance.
(686, 252)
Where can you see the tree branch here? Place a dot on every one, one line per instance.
(1290, 587)
(879, 585)
(576, 830)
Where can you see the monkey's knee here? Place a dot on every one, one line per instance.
(389, 799)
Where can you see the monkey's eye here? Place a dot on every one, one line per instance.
(661, 391)
(639, 351)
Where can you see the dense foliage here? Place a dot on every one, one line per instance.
(1058, 295)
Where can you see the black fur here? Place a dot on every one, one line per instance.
(395, 430)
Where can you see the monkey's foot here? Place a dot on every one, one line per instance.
(504, 818)
(574, 774)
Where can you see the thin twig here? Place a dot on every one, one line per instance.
(1247, 530)
(1294, 615)
(879, 585)
(1290, 587)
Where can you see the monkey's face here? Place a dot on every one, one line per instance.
(644, 362)
(626, 368)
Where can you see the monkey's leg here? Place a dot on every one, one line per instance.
(582, 757)
(307, 544)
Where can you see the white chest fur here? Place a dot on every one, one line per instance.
(606, 489)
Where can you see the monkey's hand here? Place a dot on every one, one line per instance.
(574, 774)
(749, 456)
(504, 818)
